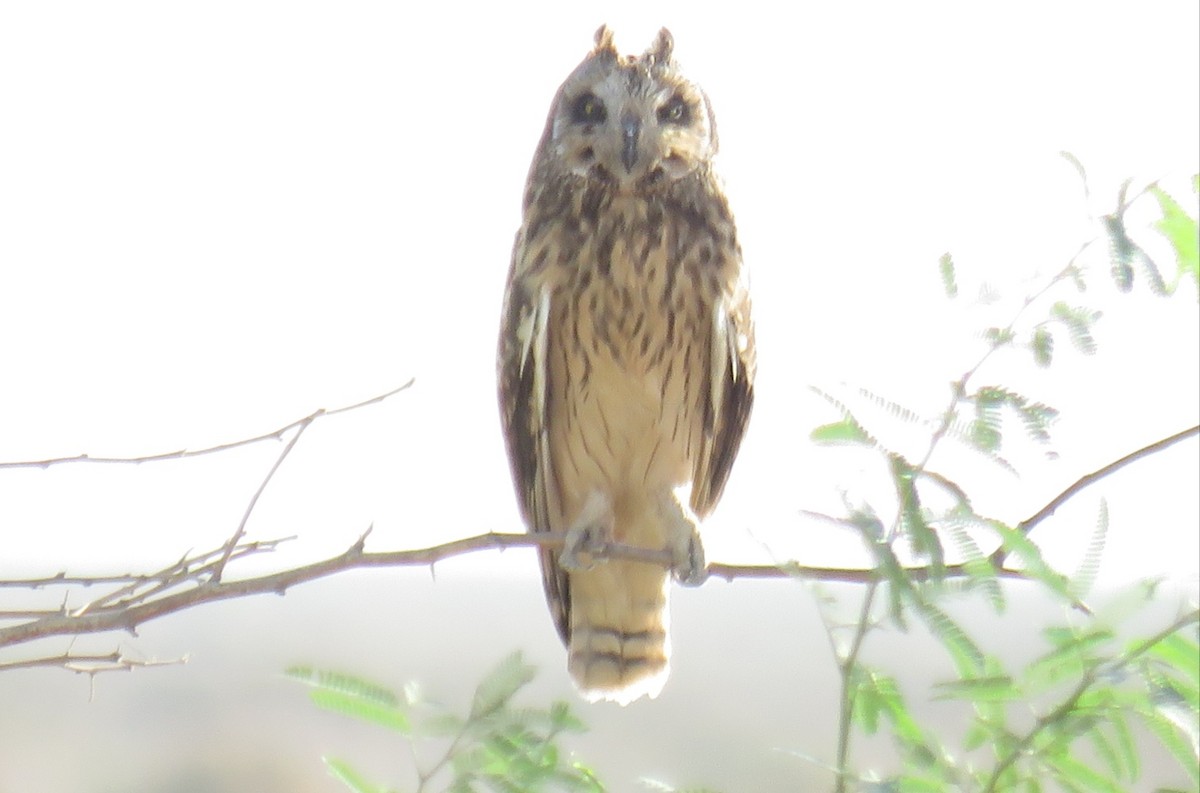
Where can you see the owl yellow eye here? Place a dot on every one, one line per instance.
(588, 109)
(675, 111)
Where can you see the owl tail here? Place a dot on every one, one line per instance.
(619, 647)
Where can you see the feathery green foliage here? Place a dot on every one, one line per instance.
(1182, 233)
(496, 747)
(1085, 689)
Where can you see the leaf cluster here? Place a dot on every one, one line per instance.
(1088, 688)
(497, 746)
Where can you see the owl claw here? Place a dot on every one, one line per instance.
(688, 565)
(589, 536)
(584, 546)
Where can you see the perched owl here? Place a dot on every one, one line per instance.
(626, 360)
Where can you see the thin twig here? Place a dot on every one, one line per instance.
(232, 543)
(91, 664)
(1000, 555)
(187, 569)
(185, 453)
(1089, 678)
(846, 671)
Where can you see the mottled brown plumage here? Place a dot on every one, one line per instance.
(626, 357)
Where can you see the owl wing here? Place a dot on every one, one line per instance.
(728, 400)
(522, 376)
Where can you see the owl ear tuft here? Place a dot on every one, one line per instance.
(662, 48)
(604, 42)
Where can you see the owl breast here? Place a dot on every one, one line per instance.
(634, 290)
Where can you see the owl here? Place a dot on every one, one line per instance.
(626, 357)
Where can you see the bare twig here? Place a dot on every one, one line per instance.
(232, 542)
(195, 567)
(91, 664)
(1000, 555)
(186, 453)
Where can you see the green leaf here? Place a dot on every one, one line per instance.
(1126, 748)
(1181, 231)
(981, 689)
(1016, 543)
(979, 570)
(867, 704)
(968, 659)
(946, 269)
(1067, 663)
(895, 577)
(1070, 771)
(1079, 322)
(563, 720)
(1071, 158)
(894, 408)
(914, 784)
(1042, 345)
(442, 724)
(362, 709)
(1106, 751)
(845, 431)
(347, 684)
(1179, 653)
(353, 696)
(923, 540)
(1175, 741)
(1121, 251)
(1036, 417)
(998, 337)
(350, 778)
(985, 436)
(501, 683)
(878, 696)
(1089, 566)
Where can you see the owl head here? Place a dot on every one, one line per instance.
(633, 122)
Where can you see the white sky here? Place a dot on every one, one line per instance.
(218, 217)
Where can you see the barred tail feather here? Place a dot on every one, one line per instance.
(619, 648)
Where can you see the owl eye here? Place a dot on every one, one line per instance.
(588, 109)
(675, 111)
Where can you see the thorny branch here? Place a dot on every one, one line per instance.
(128, 614)
(91, 663)
(195, 579)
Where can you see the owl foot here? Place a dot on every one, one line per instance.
(688, 565)
(590, 535)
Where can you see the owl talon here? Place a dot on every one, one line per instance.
(584, 547)
(688, 565)
(589, 536)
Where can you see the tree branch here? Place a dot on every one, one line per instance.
(110, 614)
(1093, 673)
(197, 579)
(91, 663)
(1000, 555)
(185, 453)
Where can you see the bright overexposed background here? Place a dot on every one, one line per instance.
(216, 218)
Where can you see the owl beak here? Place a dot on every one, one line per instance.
(631, 130)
